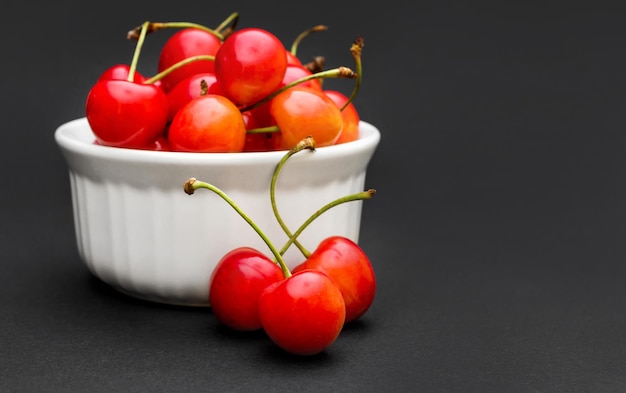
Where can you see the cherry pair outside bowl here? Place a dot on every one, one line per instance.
(138, 231)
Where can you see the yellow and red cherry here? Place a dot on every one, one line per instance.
(250, 64)
(210, 123)
(303, 111)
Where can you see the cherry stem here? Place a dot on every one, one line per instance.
(193, 184)
(306, 143)
(339, 72)
(176, 66)
(356, 49)
(364, 195)
(155, 26)
(228, 25)
(301, 36)
(135, 60)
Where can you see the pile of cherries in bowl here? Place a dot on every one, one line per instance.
(222, 90)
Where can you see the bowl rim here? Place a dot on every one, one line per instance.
(72, 136)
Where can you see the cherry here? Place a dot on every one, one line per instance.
(120, 72)
(209, 123)
(183, 44)
(303, 111)
(296, 72)
(126, 114)
(189, 88)
(292, 59)
(348, 266)
(236, 284)
(303, 314)
(262, 133)
(349, 114)
(250, 64)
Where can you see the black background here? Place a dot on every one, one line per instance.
(497, 233)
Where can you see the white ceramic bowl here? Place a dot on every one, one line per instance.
(138, 231)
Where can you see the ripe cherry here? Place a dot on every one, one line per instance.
(295, 72)
(189, 88)
(301, 111)
(209, 123)
(350, 269)
(126, 114)
(236, 284)
(304, 313)
(120, 72)
(250, 64)
(184, 44)
(349, 114)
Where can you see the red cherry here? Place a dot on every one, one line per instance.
(350, 269)
(189, 88)
(293, 59)
(182, 45)
(301, 111)
(350, 116)
(259, 117)
(236, 284)
(209, 123)
(120, 72)
(126, 114)
(250, 64)
(295, 72)
(304, 313)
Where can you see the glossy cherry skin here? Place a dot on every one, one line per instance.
(183, 44)
(210, 124)
(126, 114)
(350, 269)
(304, 313)
(120, 72)
(260, 117)
(250, 64)
(189, 88)
(292, 59)
(350, 116)
(236, 284)
(300, 112)
(295, 72)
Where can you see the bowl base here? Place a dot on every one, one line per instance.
(160, 300)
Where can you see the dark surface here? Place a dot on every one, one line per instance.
(497, 233)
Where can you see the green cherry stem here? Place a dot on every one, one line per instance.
(356, 49)
(339, 72)
(228, 25)
(141, 39)
(155, 26)
(177, 65)
(364, 195)
(304, 34)
(306, 143)
(193, 184)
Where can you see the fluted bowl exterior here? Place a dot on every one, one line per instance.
(138, 231)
